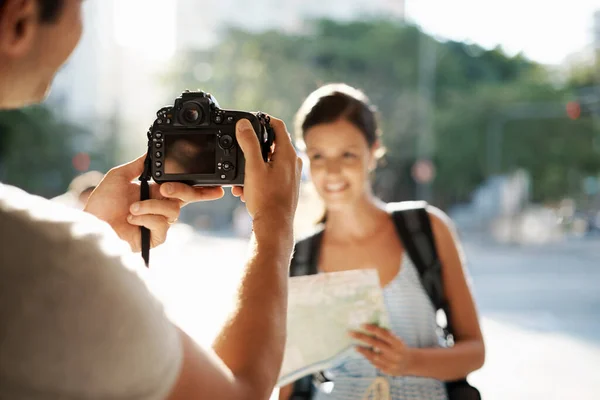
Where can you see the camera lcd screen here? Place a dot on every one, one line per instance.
(190, 154)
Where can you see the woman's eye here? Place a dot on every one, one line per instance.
(349, 155)
(315, 157)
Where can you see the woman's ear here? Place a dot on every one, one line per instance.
(19, 21)
(377, 152)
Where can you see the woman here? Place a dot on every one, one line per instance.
(338, 128)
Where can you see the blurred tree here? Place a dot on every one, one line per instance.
(274, 71)
(37, 151)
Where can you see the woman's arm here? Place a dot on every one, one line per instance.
(468, 352)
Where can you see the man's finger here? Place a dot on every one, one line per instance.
(158, 226)
(248, 141)
(190, 194)
(130, 170)
(166, 208)
(237, 191)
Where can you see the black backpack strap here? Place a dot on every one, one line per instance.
(306, 255)
(414, 228)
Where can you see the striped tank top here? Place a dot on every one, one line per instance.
(412, 318)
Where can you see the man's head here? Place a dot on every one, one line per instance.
(36, 38)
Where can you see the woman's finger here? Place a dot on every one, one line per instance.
(371, 341)
(381, 333)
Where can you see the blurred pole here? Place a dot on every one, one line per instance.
(596, 50)
(426, 89)
(494, 146)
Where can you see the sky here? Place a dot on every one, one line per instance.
(546, 31)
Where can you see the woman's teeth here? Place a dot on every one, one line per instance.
(335, 187)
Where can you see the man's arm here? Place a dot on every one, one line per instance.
(252, 343)
(250, 346)
(249, 349)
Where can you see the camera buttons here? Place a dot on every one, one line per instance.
(158, 164)
(158, 174)
(158, 135)
(223, 176)
(227, 166)
(158, 154)
(218, 119)
(226, 141)
(158, 145)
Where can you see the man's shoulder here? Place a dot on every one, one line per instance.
(67, 286)
(44, 220)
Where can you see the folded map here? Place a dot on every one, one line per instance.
(322, 309)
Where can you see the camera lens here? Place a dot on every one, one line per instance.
(226, 141)
(191, 113)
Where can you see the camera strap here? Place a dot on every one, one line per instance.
(145, 195)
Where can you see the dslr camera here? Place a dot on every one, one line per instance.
(194, 142)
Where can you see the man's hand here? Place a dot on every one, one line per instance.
(270, 189)
(116, 201)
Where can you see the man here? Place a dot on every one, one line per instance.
(75, 321)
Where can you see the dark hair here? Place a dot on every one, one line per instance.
(49, 9)
(334, 102)
(337, 101)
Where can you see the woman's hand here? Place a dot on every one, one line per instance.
(385, 351)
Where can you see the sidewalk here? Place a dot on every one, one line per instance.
(200, 274)
(522, 364)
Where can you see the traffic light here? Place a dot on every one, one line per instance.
(573, 110)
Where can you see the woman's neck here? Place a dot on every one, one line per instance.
(357, 221)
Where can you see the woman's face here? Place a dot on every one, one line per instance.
(340, 162)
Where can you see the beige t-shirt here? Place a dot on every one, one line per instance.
(76, 322)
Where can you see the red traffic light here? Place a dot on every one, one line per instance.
(573, 110)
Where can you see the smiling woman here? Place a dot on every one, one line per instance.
(337, 124)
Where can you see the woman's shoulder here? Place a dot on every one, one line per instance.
(432, 210)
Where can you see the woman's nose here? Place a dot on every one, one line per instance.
(333, 166)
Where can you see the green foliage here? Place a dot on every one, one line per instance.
(274, 71)
(37, 148)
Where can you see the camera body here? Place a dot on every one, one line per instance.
(194, 142)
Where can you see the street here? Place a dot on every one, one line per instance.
(540, 308)
(541, 320)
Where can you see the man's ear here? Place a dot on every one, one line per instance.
(19, 21)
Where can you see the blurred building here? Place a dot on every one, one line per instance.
(111, 83)
(597, 30)
(83, 89)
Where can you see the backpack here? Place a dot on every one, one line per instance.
(414, 230)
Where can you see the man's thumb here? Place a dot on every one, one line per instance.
(248, 141)
(132, 169)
